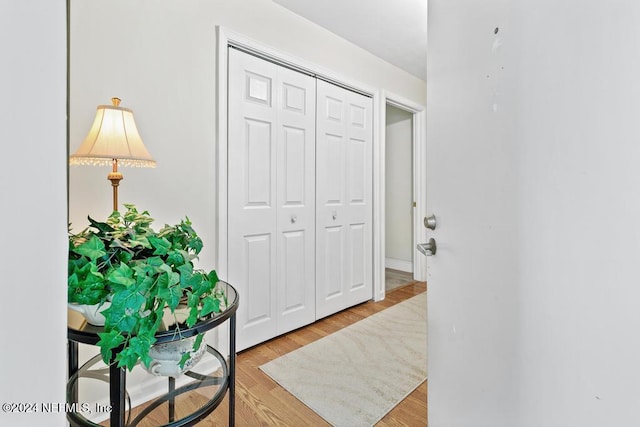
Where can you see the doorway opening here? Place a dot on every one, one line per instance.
(404, 196)
(398, 197)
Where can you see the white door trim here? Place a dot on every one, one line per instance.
(419, 185)
(228, 38)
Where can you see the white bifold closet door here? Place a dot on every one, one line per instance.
(271, 197)
(344, 186)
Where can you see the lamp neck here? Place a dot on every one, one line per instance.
(115, 177)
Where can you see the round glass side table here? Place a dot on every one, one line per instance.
(206, 389)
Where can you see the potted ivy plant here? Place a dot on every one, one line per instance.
(134, 276)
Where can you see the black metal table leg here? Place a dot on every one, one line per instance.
(73, 365)
(232, 370)
(117, 392)
(172, 400)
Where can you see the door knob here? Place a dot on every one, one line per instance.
(430, 222)
(429, 248)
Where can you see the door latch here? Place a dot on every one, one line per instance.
(429, 248)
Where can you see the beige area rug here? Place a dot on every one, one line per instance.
(353, 377)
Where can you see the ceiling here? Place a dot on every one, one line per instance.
(394, 30)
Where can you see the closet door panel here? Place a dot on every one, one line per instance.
(359, 187)
(331, 152)
(344, 149)
(252, 204)
(296, 200)
(271, 197)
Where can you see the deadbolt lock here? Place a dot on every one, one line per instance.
(430, 222)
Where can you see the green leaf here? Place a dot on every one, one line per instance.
(171, 295)
(123, 275)
(186, 275)
(196, 244)
(155, 261)
(140, 241)
(88, 296)
(88, 273)
(142, 269)
(102, 227)
(151, 324)
(174, 278)
(198, 342)
(85, 285)
(176, 258)
(193, 300)
(201, 284)
(185, 357)
(131, 213)
(92, 248)
(193, 316)
(125, 256)
(140, 346)
(124, 312)
(209, 305)
(127, 358)
(108, 342)
(213, 277)
(161, 245)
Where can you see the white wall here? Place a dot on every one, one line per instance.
(34, 214)
(551, 102)
(399, 189)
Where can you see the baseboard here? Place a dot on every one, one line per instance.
(398, 264)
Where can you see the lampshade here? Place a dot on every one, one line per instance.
(113, 135)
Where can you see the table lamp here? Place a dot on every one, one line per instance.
(113, 140)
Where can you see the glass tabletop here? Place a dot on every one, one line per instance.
(173, 326)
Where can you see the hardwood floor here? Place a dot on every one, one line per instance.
(396, 278)
(262, 402)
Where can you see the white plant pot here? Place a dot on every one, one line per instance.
(91, 312)
(166, 357)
